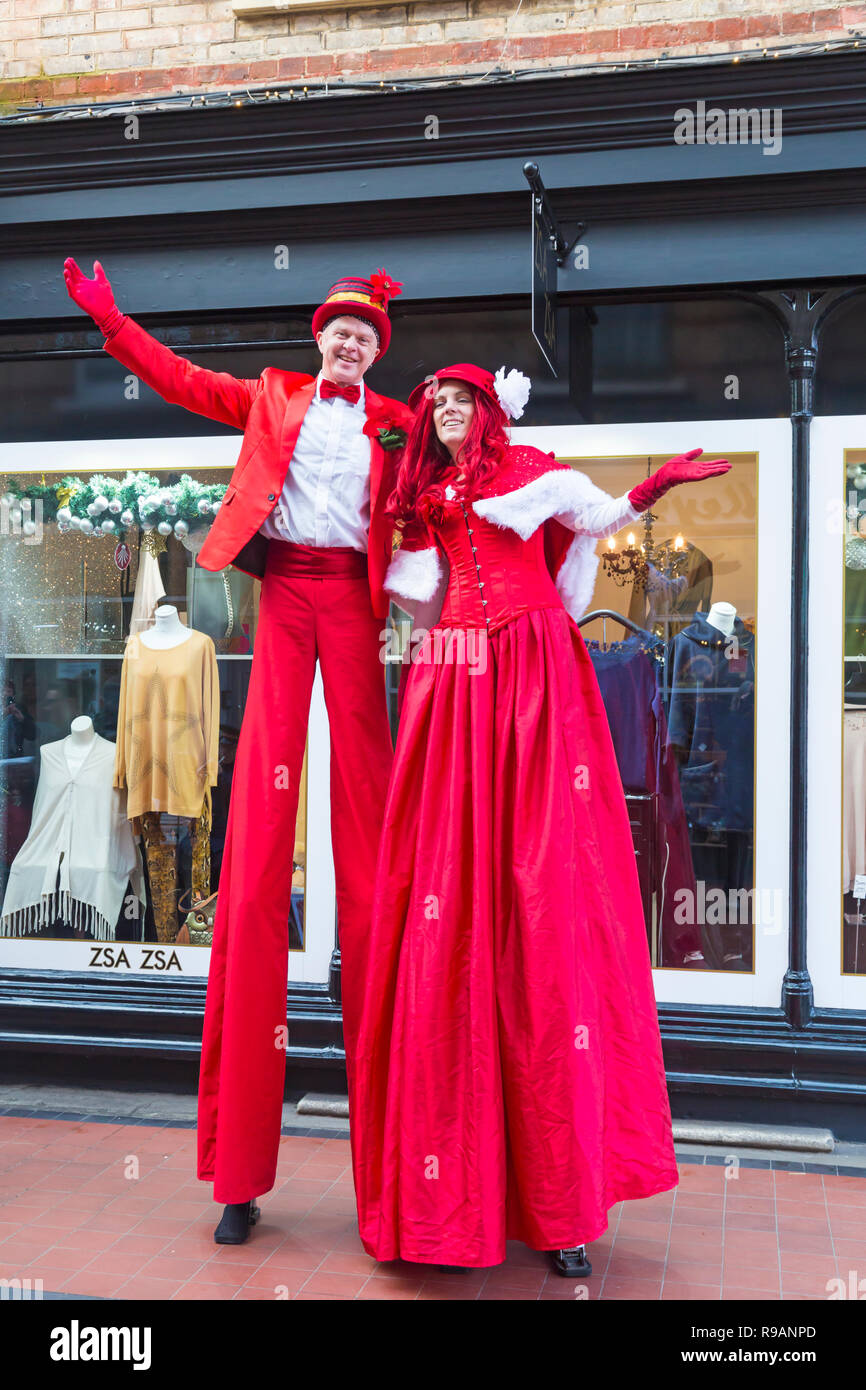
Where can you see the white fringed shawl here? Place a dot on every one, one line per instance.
(79, 825)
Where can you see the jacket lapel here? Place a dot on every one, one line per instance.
(296, 408)
(372, 405)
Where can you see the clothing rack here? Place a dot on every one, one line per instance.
(604, 614)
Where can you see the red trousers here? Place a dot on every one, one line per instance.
(315, 603)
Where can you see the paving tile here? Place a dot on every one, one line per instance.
(810, 1225)
(748, 1294)
(139, 1286)
(345, 1262)
(64, 1258)
(95, 1284)
(204, 1293)
(127, 1265)
(278, 1281)
(137, 1244)
(811, 1283)
(623, 1288)
(87, 1240)
(805, 1243)
(349, 1285)
(744, 1272)
(748, 1221)
(681, 1291)
(172, 1267)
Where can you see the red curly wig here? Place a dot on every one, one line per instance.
(426, 467)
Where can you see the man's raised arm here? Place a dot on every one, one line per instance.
(218, 395)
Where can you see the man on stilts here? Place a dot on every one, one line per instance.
(304, 512)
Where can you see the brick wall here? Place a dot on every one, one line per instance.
(81, 50)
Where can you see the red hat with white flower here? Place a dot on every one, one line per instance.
(362, 299)
(510, 391)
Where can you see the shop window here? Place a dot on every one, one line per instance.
(839, 379)
(854, 719)
(675, 657)
(140, 741)
(671, 632)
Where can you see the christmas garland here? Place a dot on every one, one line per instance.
(107, 506)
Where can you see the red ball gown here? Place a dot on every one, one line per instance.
(508, 1081)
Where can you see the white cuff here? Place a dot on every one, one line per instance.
(414, 573)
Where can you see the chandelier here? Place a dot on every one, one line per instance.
(637, 562)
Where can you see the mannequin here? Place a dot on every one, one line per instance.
(79, 742)
(167, 753)
(722, 616)
(167, 631)
(80, 854)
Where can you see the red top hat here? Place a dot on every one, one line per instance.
(463, 371)
(362, 299)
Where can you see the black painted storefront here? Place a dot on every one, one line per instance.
(763, 258)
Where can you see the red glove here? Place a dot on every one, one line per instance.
(95, 296)
(685, 468)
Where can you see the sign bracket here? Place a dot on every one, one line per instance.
(562, 249)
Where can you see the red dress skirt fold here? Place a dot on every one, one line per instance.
(508, 1080)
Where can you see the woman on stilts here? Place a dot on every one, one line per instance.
(508, 1081)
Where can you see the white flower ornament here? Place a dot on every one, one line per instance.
(513, 390)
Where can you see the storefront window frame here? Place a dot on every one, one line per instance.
(830, 439)
(311, 964)
(770, 440)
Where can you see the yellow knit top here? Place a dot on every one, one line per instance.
(168, 726)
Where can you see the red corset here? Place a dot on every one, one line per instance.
(495, 576)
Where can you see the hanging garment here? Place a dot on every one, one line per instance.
(223, 604)
(854, 765)
(630, 675)
(160, 835)
(508, 1079)
(711, 721)
(149, 589)
(79, 826)
(669, 601)
(855, 612)
(168, 726)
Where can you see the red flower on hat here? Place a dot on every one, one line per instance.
(383, 288)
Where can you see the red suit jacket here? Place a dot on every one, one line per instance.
(270, 410)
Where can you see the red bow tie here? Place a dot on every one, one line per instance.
(330, 388)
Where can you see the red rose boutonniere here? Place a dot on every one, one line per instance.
(389, 430)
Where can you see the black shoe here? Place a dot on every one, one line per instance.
(235, 1224)
(454, 1269)
(572, 1263)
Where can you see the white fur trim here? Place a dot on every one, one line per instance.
(564, 493)
(414, 573)
(575, 581)
(576, 502)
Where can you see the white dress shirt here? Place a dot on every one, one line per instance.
(325, 499)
